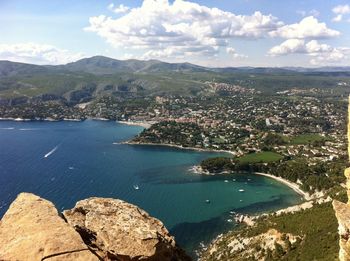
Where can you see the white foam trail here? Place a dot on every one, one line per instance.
(9, 128)
(50, 152)
(27, 129)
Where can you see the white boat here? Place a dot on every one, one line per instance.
(226, 181)
(136, 187)
(241, 190)
(207, 201)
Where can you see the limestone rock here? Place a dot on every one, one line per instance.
(342, 212)
(32, 230)
(121, 231)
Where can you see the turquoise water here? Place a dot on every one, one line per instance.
(82, 161)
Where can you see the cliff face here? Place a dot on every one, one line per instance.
(95, 229)
(342, 211)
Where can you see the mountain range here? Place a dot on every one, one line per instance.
(100, 65)
(91, 77)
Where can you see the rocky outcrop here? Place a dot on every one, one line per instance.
(32, 230)
(120, 231)
(342, 211)
(95, 229)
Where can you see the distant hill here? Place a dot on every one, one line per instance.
(8, 68)
(105, 65)
(100, 65)
(91, 77)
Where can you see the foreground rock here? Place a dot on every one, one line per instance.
(97, 229)
(32, 230)
(342, 211)
(121, 231)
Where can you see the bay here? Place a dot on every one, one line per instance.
(68, 161)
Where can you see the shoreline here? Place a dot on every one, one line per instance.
(44, 119)
(177, 147)
(144, 124)
(292, 185)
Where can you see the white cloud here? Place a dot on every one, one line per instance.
(321, 54)
(338, 56)
(309, 27)
(337, 18)
(312, 12)
(180, 28)
(232, 51)
(340, 11)
(288, 46)
(37, 54)
(314, 48)
(121, 9)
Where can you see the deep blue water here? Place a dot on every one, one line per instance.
(86, 163)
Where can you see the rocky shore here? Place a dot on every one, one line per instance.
(95, 229)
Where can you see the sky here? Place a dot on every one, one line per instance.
(268, 33)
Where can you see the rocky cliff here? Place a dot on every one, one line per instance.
(95, 229)
(342, 211)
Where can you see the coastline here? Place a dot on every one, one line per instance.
(144, 124)
(288, 183)
(45, 119)
(53, 120)
(177, 147)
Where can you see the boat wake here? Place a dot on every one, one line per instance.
(9, 128)
(28, 129)
(51, 152)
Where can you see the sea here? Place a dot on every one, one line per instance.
(68, 161)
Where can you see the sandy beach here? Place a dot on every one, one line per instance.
(290, 184)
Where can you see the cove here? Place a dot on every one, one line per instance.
(68, 161)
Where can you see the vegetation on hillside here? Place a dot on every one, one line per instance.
(316, 229)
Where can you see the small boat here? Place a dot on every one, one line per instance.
(229, 220)
(207, 201)
(226, 181)
(240, 200)
(136, 187)
(249, 179)
(71, 168)
(241, 190)
(234, 180)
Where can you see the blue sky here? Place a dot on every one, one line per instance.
(212, 33)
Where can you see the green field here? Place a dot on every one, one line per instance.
(306, 139)
(265, 156)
